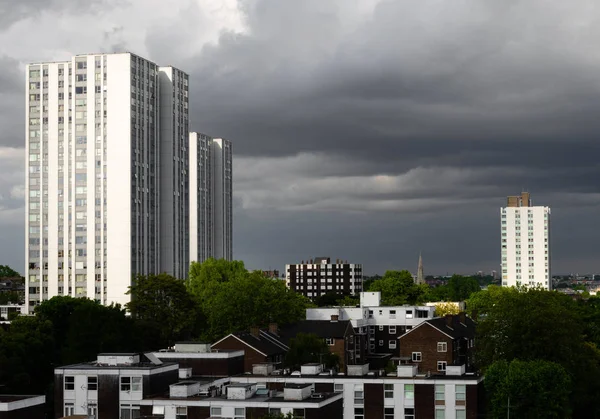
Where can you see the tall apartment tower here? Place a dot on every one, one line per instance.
(106, 152)
(525, 241)
(211, 219)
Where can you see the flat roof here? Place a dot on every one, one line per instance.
(297, 385)
(7, 398)
(255, 399)
(96, 366)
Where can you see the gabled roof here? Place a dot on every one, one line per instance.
(321, 328)
(456, 328)
(266, 343)
(451, 326)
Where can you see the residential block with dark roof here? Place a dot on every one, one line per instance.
(339, 336)
(438, 343)
(259, 346)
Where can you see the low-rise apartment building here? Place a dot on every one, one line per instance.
(110, 387)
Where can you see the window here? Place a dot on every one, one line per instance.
(359, 413)
(329, 341)
(92, 383)
(298, 413)
(338, 388)
(69, 383)
(440, 392)
(358, 397)
(380, 327)
(380, 343)
(215, 411)
(181, 413)
(442, 347)
(388, 391)
(441, 365)
(416, 357)
(440, 413)
(239, 413)
(409, 391)
(392, 314)
(69, 409)
(460, 391)
(409, 314)
(388, 413)
(392, 344)
(125, 383)
(409, 413)
(92, 410)
(392, 330)
(461, 414)
(129, 412)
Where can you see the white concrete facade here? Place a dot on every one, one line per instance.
(93, 146)
(525, 245)
(174, 167)
(210, 203)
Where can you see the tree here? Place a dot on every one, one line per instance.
(529, 389)
(270, 415)
(398, 288)
(441, 309)
(26, 364)
(534, 324)
(460, 287)
(307, 348)
(328, 299)
(163, 300)
(348, 301)
(82, 328)
(233, 299)
(7, 272)
(208, 274)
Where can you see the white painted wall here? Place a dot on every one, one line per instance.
(513, 236)
(118, 178)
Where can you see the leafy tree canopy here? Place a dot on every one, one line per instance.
(398, 288)
(233, 299)
(7, 272)
(306, 348)
(163, 300)
(527, 389)
(534, 324)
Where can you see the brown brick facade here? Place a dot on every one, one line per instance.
(251, 356)
(373, 394)
(424, 339)
(424, 401)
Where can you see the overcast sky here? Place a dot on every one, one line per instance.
(367, 130)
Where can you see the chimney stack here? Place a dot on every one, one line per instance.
(273, 328)
(463, 317)
(449, 318)
(255, 331)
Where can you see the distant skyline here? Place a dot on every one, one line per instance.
(388, 128)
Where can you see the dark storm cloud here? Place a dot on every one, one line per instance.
(13, 11)
(370, 130)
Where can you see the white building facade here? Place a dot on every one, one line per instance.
(525, 243)
(210, 204)
(107, 192)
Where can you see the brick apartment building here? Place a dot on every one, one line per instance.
(440, 342)
(319, 276)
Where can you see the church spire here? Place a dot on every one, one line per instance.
(420, 276)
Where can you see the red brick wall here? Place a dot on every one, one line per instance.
(251, 356)
(424, 339)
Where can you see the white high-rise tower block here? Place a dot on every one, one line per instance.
(525, 243)
(106, 146)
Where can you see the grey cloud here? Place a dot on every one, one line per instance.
(14, 11)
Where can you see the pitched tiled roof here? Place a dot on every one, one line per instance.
(321, 328)
(266, 342)
(455, 328)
